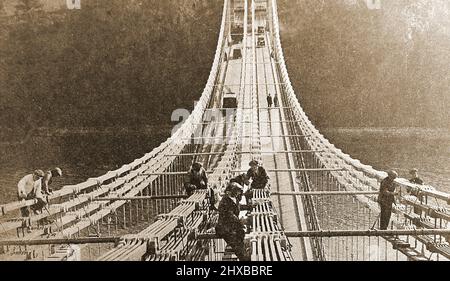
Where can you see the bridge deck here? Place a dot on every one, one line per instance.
(313, 185)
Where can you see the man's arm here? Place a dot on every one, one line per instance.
(233, 217)
(204, 177)
(249, 174)
(187, 178)
(384, 189)
(264, 175)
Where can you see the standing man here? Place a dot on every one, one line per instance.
(275, 101)
(196, 179)
(229, 226)
(269, 100)
(259, 178)
(386, 198)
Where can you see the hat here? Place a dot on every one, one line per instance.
(232, 186)
(413, 171)
(196, 165)
(392, 174)
(58, 171)
(39, 173)
(253, 163)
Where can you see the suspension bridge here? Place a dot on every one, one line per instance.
(321, 204)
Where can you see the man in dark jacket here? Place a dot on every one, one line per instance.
(259, 178)
(386, 198)
(196, 179)
(229, 226)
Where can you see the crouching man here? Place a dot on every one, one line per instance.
(195, 179)
(259, 178)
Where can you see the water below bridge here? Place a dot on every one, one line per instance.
(88, 155)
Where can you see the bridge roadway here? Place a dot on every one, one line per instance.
(253, 73)
(313, 185)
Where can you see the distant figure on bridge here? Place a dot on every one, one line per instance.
(416, 192)
(269, 100)
(29, 187)
(275, 101)
(259, 177)
(229, 226)
(196, 179)
(48, 179)
(386, 198)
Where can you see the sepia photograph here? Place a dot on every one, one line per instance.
(225, 131)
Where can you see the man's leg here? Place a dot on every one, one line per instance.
(212, 199)
(385, 216)
(39, 205)
(24, 211)
(236, 242)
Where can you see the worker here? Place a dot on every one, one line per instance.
(259, 178)
(196, 179)
(269, 100)
(48, 179)
(229, 226)
(386, 198)
(275, 101)
(416, 192)
(26, 190)
(415, 177)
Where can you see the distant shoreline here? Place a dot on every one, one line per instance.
(402, 131)
(150, 129)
